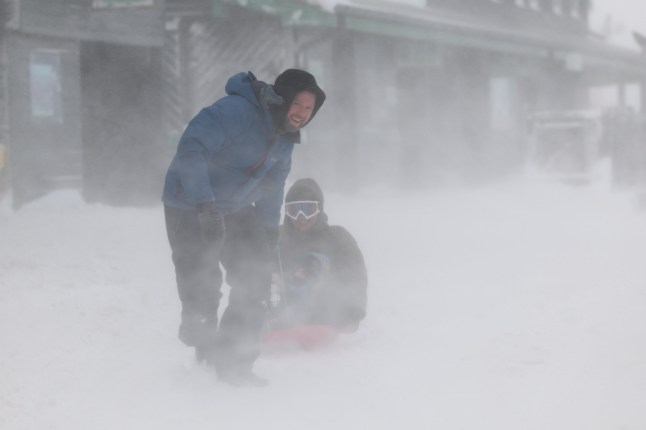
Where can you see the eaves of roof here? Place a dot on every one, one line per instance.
(493, 32)
(290, 12)
(482, 32)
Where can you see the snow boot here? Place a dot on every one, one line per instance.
(242, 378)
(205, 354)
(196, 330)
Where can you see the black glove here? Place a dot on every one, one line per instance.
(312, 267)
(211, 223)
(269, 97)
(350, 320)
(272, 237)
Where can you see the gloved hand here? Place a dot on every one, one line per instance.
(351, 318)
(349, 328)
(312, 267)
(269, 97)
(211, 223)
(272, 237)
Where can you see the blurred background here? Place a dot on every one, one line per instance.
(94, 94)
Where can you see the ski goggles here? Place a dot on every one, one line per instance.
(307, 208)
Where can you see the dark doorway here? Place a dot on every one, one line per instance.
(122, 97)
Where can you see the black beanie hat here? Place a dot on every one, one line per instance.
(293, 81)
(305, 189)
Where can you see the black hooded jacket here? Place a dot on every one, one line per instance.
(324, 274)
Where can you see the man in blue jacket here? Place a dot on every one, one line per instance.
(222, 198)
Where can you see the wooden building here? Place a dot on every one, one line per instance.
(461, 77)
(84, 98)
(419, 92)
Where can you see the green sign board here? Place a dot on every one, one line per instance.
(291, 12)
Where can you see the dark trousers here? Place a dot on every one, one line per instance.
(234, 343)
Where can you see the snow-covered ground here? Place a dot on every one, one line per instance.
(516, 306)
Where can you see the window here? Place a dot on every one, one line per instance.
(502, 99)
(45, 86)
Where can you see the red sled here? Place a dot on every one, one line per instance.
(306, 337)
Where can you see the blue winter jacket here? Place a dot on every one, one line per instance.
(230, 155)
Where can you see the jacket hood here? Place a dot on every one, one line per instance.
(307, 189)
(241, 85)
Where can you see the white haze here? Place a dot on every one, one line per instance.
(617, 19)
(519, 305)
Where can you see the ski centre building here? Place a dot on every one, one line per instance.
(94, 94)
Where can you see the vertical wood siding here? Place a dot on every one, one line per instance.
(201, 54)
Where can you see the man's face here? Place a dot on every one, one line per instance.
(300, 111)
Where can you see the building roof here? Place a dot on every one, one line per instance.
(495, 26)
(500, 30)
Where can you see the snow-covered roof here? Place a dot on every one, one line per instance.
(500, 30)
(330, 5)
(488, 27)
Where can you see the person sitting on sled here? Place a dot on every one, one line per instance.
(322, 279)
